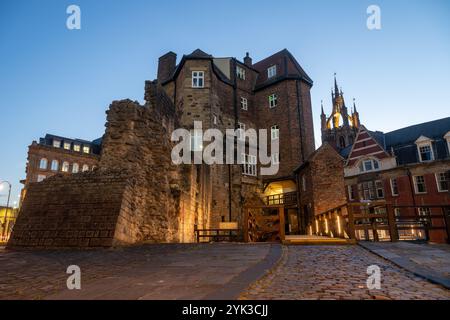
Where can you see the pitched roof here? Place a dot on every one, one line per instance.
(198, 54)
(366, 145)
(434, 129)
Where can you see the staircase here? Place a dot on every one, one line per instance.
(316, 240)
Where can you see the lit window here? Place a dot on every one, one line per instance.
(65, 167)
(244, 103)
(397, 214)
(394, 187)
(276, 158)
(273, 100)
(198, 79)
(419, 184)
(426, 154)
(85, 168)
(272, 71)
(380, 189)
(57, 143)
(424, 213)
(75, 168)
(369, 165)
(275, 132)
(240, 72)
(55, 165)
(40, 178)
(366, 190)
(86, 149)
(196, 140)
(76, 147)
(67, 145)
(43, 163)
(248, 164)
(442, 181)
(241, 131)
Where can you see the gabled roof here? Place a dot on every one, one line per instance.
(434, 130)
(199, 54)
(365, 146)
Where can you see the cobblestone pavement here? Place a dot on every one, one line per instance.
(171, 271)
(338, 272)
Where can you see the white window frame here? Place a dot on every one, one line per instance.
(65, 166)
(86, 149)
(416, 185)
(375, 164)
(392, 187)
(41, 162)
(350, 193)
(240, 72)
(241, 131)
(273, 100)
(275, 132)
(77, 147)
(56, 143)
(41, 177)
(244, 103)
(54, 165)
(75, 168)
(427, 145)
(438, 180)
(85, 168)
(272, 71)
(66, 145)
(198, 79)
(248, 164)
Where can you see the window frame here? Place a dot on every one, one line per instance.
(77, 166)
(275, 158)
(244, 103)
(198, 75)
(77, 147)
(275, 132)
(86, 148)
(416, 185)
(65, 166)
(374, 163)
(54, 166)
(249, 165)
(56, 143)
(273, 101)
(392, 187)
(438, 181)
(350, 193)
(241, 131)
(240, 72)
(431, 152)
(85, 168)
(46, 164)
(41, 177)
(271, 71)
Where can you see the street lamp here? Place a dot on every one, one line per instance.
(7, 206)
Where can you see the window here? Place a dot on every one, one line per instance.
(57, 143)
(419, 184)
(240, 72)
(244, 103)
(272, 100)
(351, 193)
(304, 183)
(215, 119)
(40, 178)
(275, 132)
(86, 149)
(43, 163)
(275, 158)
(394, 187)
(366, 190)
(76, 147)
(380, 190)
(67, 145)
(397, 214)
(65, 167)
(368, 165)
(198, 79)
(442, 179)
(75, 168)
(55, 165)
(196, 140)
(248, 164)
(272, 71)
(241, 131)
(424, 213)
(426, 154)
(85, 168)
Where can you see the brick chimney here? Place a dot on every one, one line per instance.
(248, 60)
(166, 66)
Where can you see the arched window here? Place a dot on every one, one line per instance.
(341, 142)
(43, 163)
(65, 167)
(75, 168)
(55, 165)
(368, 165)
(85, 167)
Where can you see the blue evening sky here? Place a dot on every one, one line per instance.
(60, 81)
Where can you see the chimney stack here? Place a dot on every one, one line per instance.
(166, 66)
(248, 60)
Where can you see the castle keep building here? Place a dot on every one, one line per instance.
(137, 194)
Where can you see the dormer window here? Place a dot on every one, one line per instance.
(198, 79)
(272, 71)
(369, 165)
(67, 145)
(240, 73)
(425, 149)
(86, 149)
(76, 147)
(447, 138)
(57, 143)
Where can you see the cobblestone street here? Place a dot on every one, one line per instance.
(338, 272)
(209, 271)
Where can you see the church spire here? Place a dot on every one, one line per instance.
(336, 89)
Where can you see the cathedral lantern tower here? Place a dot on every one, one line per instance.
(339, 129)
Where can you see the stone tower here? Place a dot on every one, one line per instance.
(339, 129)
